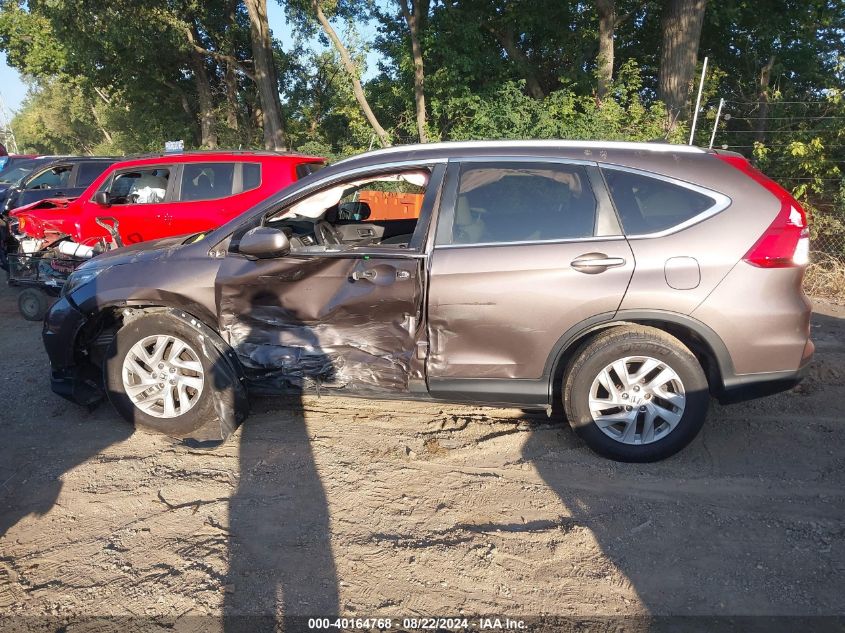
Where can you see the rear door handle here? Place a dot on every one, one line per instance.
(594, 263)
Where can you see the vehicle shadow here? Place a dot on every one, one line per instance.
(39, 441)
(281, 566)
(34, 459)
(739, 523)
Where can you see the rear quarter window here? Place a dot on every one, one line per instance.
(88, 173)
(647, 204)
(305, 169)
(251, 176)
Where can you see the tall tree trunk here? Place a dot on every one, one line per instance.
(99, 123)
(265, 75)
(413, 19)
(506, 41)
(208, 132)
(607, 23)
(763, 100)
(231, 82)
(230, 79)
(352, 71)
(682, 21)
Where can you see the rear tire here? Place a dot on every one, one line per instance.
(33, 304)
(162, 375)
(636, 394)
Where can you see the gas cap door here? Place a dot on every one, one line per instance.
(682, 273)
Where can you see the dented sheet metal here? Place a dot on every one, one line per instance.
(346, 325)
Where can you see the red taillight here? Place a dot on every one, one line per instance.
(787, 240)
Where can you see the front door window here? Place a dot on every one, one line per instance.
(139, 186)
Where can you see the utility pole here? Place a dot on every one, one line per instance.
(698, 101)
(716, 123)
(7, 135)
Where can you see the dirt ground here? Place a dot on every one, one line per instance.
(397, 509)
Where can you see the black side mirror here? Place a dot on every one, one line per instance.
(264, 242)
(102, 198)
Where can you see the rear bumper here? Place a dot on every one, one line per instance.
(740, 388)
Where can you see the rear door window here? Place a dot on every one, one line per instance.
(88, 172)
(207, 181)
(649, 205)
(523, 202)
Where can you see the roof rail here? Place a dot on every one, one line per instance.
(453, 145)
(192, 152)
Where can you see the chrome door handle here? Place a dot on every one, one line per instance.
(593, 263)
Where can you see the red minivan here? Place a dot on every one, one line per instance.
(165, 195)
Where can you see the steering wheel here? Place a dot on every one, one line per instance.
(326, 234)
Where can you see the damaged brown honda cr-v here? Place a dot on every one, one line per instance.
(628, 282)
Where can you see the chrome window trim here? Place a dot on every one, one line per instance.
(571, 240)
(363, 254)
(721, 201)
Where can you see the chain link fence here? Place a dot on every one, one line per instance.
(827, 232)
(826, 273)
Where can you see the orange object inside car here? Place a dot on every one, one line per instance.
(392, 205)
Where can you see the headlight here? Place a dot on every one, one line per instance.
(79, 278)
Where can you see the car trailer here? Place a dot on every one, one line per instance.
(41, 275)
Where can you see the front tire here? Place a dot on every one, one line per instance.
(162, 375)
(636, 394)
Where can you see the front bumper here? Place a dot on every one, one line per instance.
(72, 377)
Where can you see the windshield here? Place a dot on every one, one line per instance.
(15, 175)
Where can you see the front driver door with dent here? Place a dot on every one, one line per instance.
(346, 321)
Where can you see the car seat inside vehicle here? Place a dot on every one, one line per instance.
(469, 224)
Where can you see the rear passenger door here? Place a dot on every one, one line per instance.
(209, 194)
(525, 251)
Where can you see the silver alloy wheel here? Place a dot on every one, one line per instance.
(163, 376)
(637, 400)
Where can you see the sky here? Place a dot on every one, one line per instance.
(13, 89)
(11, 85)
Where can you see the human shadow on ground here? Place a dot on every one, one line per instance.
(281, 567)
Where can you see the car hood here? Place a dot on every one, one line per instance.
(142, 252)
